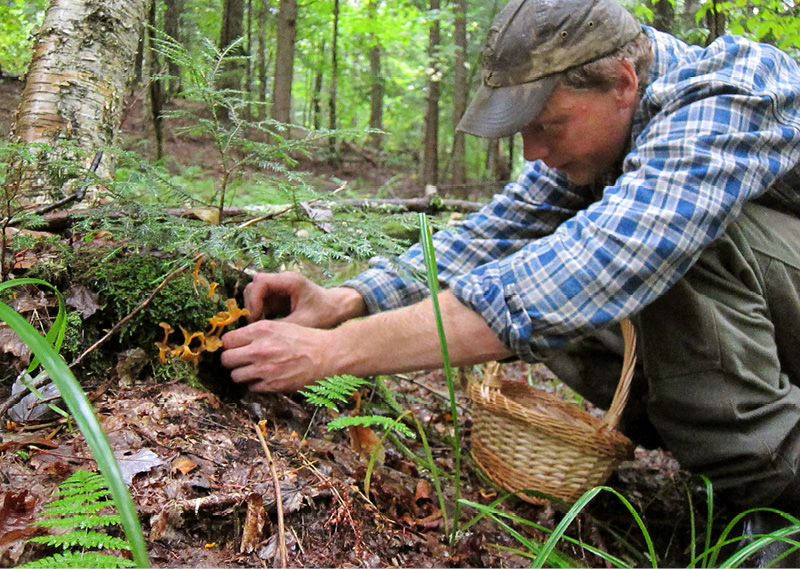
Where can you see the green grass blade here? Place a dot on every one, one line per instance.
(433, 284)
(55, 335)
(573, 512)
(84, 416)
(492, 512)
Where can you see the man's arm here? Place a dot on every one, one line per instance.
(280, 356)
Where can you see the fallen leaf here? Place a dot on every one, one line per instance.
(182, 464)
(365, 442)
(10, 343)
(208, 214)
(132, 463)
(252, 533)
(25, 441)
(16, 514)
(83, 300)
(423, 491)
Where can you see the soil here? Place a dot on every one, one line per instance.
(203, 482)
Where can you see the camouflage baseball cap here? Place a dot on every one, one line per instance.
(530, 43)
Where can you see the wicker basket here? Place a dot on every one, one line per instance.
(525, 438)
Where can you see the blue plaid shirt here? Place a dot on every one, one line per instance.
(546, 262)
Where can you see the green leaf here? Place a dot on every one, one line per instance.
(82, 411)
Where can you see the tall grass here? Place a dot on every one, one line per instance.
(45, 350)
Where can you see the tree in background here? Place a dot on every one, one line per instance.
(75, 91)
(231, 30)
(284, 61)
(460, 94)
(376, 75)
(430, 147)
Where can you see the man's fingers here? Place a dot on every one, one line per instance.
(269, 295)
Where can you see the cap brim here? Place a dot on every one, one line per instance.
(498, 112)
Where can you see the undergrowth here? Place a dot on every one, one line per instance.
(78, 512)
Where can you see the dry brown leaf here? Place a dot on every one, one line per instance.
(365, 442)
(10, 343)
(83, 300)
(182, 464)
(252, 532)
(423, 491)
(208, 214)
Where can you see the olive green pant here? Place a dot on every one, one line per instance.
(721, 355)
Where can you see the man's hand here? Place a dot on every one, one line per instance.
(293, 298)
(275, 355)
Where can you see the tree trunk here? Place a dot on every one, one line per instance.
(232, 29)
(663, 15)
(77, 81)
(284, 61)
(460, 97)
(715, 20)
(261, 57)
(333, 147)
(156, 86)
(376, 92)
(316, 97)
(172, 15)
(430, 158)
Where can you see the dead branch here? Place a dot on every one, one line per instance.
(61, 220)
(278, 497)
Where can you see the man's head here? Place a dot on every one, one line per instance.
(530, 46)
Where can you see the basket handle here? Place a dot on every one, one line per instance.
(624, 387)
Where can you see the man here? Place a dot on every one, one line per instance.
(660, 184)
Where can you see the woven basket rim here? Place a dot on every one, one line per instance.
(581, 424)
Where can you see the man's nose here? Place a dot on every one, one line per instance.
(534, 147)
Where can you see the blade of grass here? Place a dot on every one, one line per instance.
(432, 276)
(495, 514)
(84, 416)
(573, 512)
(55, 335)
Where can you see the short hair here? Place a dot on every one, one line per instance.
(602, 74)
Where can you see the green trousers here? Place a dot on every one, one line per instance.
(720, 352)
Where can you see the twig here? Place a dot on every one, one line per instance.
(136, 310)
(278, 498)
(81, 191)
(17, 397)
(288, 208)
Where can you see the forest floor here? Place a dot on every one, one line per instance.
(203, 483)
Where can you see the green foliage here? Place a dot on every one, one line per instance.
(124, 281)
(81, 500)
(385, 423)
(770, 21)
(330, 390)
(18, 19)
(45, 350)
(433, 286)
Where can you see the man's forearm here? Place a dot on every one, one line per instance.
(406, 339)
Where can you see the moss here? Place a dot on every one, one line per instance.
(124, 282)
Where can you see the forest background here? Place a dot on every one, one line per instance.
(157, 150)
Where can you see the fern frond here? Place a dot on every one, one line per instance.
(82, 482)
(79, 520)
(73, 559)
(85, 539)
(89, 503)
(386, 423)
(327, 392)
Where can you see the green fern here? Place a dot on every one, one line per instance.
(77, 510)
(78, 559)
(386, 423)
(327, 392)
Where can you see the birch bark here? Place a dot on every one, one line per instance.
(75, 89)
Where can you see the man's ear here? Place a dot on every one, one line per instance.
(627, 87)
